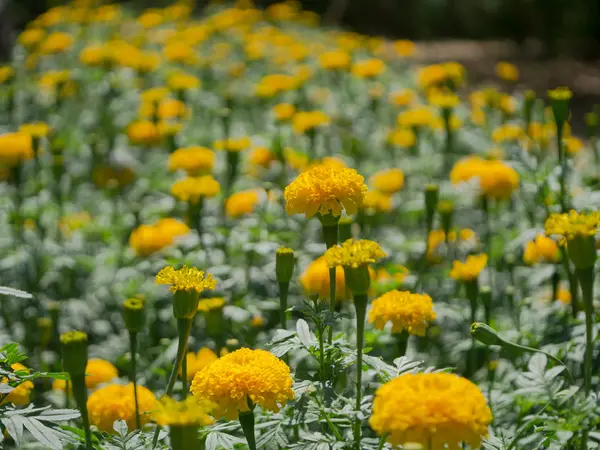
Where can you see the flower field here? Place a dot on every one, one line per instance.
(239, 229)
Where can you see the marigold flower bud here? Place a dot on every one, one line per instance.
(74, 346)
(485, 334)
(134, 315)
(284, 264)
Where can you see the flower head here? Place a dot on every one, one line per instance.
(573, 224)
(354, 253)
(194, 189)
(304, 121)
(368, 68)
(433, 409)
(185, 279)
(244, 376)
(194, 160)
(388, 181)
(210, 304)
(116, 401)
(507, 71)
(325, 189)
(198, 361)
(335, 60)
(315, 280)
(470, 269)
(406, 311)
(15, 148)
(375, 201)
(233, 144)
(148, 239)
(542, 248)
(242, 203)
(21, 394)
(496, 179)
(189, 412)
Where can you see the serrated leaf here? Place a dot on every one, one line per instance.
(304, 333)
(120, 426)
(5, 290)
(43, 434)
(14, 427)
(59, 415)
(219, 441)
(553, 372)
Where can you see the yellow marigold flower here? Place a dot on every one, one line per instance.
(443, 99)
(31, 37)
(36, 129)
(262, 156)
(233, 144)
(284, 11)
(257, 321)
(507, 133)
(542, 248)
(404, 48)
(436, 410)
(438, 237)
(315, 280)
(271, 85)
(496, 179)
(210, 304)
(470, 269)
(296, 160)
(181, 81)
(149, 239)
(198, 361)
(185, 279)
(143, 132)
(560, 93)
(438, 74)
(395, 274)
(388, 181)
(194, 160)
(194, 189)
(241, 377)
(179, 52)
(404, 97)
(304, 121)
(402, 137)
(406, 311)
(335, 60)
(94, 55)
(419, 116)
(15, 148)
(6, 73)
(564, 296)
(115, 401)
(168, 128)
(368, 68)
(56, 42)
(170, 108)
(354, 253)
(172, 227)
(20, 395)
(97, 371)
(573, 145)
(326, 190)
(242, 203)
(573, 224)
(154, 95)
(189, 412)
(377, 201)
(507, 71)
(284, 111)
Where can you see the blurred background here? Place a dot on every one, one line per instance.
(553, 42)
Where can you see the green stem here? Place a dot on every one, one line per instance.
(133, 350)
(80, 394)
(586, 281)
(184, 327)
(563, 167)
(472, 288)
(402, 341)
(330, 234)
(360, 304)
(184, 376)
(247, 423)
(573, 284)
(283, 297)
(381, 442)
(183, 437)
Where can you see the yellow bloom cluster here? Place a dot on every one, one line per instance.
(436, 410)
(335, 60)
(116, 401)
(284, 111)
(194, 189)
(406, 311)
(507, 71)
(271, 85)
(437, 237)
(304, 121)
(148, 239)
(438, 75)
(97, 372)
(354, 253)
(210, 304)
(325, 190)
(402, 137)
(262, 156)
(198, 361)
(496, 179)
(233, 144)
(35, 129)
(388, 181)
(242, 203)
(185, 279)
(194, 160)
(244, 376)
(375, 201)
(573, 224)
(368, 68)
(15, 148)
(470, 269)
(189, 412)
(509, 132)
(542, 248)
(315, 280)
(20, 395)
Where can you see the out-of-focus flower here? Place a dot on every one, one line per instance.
(541, 249)
(143, 132)
(507, 71)
(388, 181)
(233, 144)
(315, 280)
(509, 132)
(191, 412)
(21, 394)
(6, 73)
(304, 121)
(194, 160)
(149, 239)
(377, 202)
(98, 371)
(210, 304)
(470, 269)
(262, 156)
(369, 68)
(242, 203)
(198, 361)
(402, 137)
(284, 111)
(183, 81)
(406, 311)
(15, 148)
(404, 48)
(271, 85)
(419, 116)
(404, 97)
(195, 189)
(56, 42)
(335, 60)
(244, 377)
(573, 145)
(31, 37)
(116, 401)
(496, 179)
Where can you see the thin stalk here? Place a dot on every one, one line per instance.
(573, 284)
(360, 304)
(402, 341)
(247, 423)
(381, 442)
(488, 241)
(283, 297)
(563, 168)
(133, 350)
(586, 281)
(80, 394)
(184, 327)
(330, 233)
(472, 288)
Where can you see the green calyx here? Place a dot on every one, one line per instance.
(358, 279)
(185, 304)
(284, 264)
(134, 315)
(582, 251)
(74, 346)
